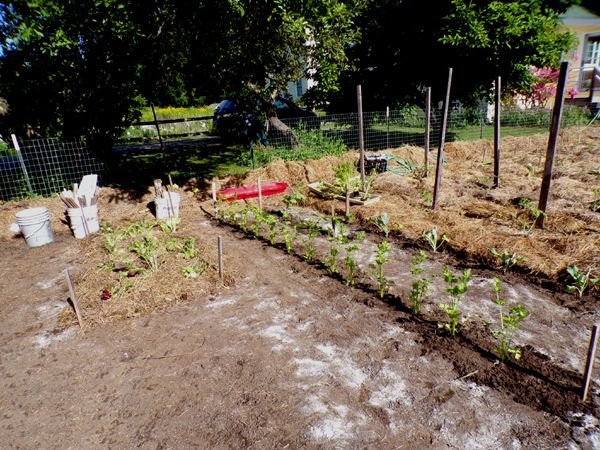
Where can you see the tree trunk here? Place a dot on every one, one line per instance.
(281, 132)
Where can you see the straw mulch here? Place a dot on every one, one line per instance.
(475, 216)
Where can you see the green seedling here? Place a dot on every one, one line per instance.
(506, 259)
(189, 250)
(309, 244)
(271, 221)
(146, 249)
(173, 246)
(295, 198)
(258, 217)
(382, 222)
(169, 225)
(420, 285)
(350, 263)
(141, 227)
(434, 241)
(192, 270)
(457, 287)
(381, 259)
(509, 325)
(533, 211)
(112, 239)
(334, 250)
(289, 234)
(122, 286)
(581, 281)
(427, 198)
(595, 204)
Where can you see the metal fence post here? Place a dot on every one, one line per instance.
(21, 162)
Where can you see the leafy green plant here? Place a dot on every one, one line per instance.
(312, 228)
(457, 287)
(173, 246)
(146, 248)
(192, 271)
(580, 280)
(506, 259)
(427, 198)
(169, 225)
(122, 286)
(112, 238)
(381, 259)
(350, 263)
(271, 221)
(434, 241)
(188, 249)
(334, 250)
(346, 179)
(289, 234)
(420, 285)
(382, 222)
(533, 212)
(293, 199)
(595, 204)
(140, 227)
(509, 325)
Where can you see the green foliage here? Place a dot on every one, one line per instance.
(189, 250)
(580, 280)
(595, 204)
(509, 325)
(457, 288)
(434, 241)
(382, 222)
(420, 285)
(506, 259)
(289, 234)
(312, 229)
(295, 198)
(381, 259)
(533, 211)
(146, 248)
(169, 225)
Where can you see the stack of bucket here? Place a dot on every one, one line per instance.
(81, 206)
(34, 224)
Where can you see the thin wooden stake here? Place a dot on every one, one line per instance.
(440, 154)
(214, 196)
(427, 128)
(497, 134)
(347, 209)
(220, 256)
(21, 162)
(170, 207)
(551, 151)
(361, 136)
(162, 146)
(260, 199)
(74, 298)
(589, 363)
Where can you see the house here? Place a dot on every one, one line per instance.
(583, 83)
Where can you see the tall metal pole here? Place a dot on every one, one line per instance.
(361, 138)
(497, 134)
(427, 128)
(440, 154)
(551, 151)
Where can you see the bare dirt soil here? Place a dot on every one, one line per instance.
(283, 355)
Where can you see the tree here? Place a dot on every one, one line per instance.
(409, 44)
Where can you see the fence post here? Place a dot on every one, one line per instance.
(387, 118)
(162, 147)
(551, 151)
(361, 138)
(21, 162)
(427, 128)
(497, 134)
(440, 154)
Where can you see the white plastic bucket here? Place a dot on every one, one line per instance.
(164, 208)
(34, 223)
(81, 228)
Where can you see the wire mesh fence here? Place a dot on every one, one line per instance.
(390, 129)
(174, 128)
(44, 167)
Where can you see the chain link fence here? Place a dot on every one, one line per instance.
(44, 166)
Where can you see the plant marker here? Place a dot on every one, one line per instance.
(589, 364)
(220, 256)
(74, 299)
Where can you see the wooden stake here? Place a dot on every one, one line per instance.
(170, 207)
(260, 199)
(361, 137)
(162, 146)
(220, 256)
(551, 151)
(497, 134)
(440, 154)
(21, 162)
(74, 298)
(427, 128)
(589, 363)
(347, 210)
(214, 196)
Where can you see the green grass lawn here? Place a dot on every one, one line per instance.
(468, 133)
(172, 112)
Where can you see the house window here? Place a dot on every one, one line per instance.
(299, 88)
(592, 51)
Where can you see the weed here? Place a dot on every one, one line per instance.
(509, 325)
(381, 259)
(506, 259)
(534, 213)
(421, 285)
(581, 280)
(457, 287)
(433, 240)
